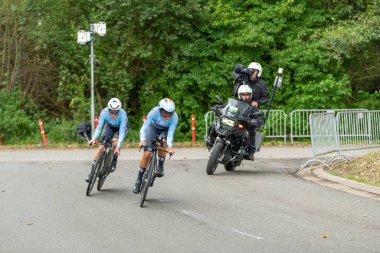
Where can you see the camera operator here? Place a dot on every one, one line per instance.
(251, 76)
(259, 94)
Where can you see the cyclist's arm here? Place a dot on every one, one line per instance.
(171, 130)
(100, 126)
(123, 129)
(145, 126)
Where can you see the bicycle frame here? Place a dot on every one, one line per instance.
(100, 169)
(150, 172)
(108, 153)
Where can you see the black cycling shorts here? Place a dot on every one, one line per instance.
(151, 133)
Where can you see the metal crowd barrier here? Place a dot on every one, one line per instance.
(349, 130)
(276, 124)
(299, 120)
(324, 137)
(300, 125)
(358, 130)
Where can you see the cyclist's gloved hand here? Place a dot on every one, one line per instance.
(142, 143)
(90, 143)
(117, 151)
(171, 151)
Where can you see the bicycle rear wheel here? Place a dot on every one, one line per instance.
(94, 174)
(147, 179)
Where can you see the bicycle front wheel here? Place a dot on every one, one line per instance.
(102, 179)
(104, 172)
(94, 174)
(147, 179)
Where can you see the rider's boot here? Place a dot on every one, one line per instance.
(87, 179)
(251, 146)
(137, 186)
(160, 167)
(251, 154)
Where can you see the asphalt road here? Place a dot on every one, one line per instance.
(261, 207)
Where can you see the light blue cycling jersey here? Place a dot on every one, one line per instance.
(121, 121)
(154, 117)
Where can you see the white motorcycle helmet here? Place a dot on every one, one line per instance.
(167, 104)
(114, 104)
(256, 65)
(245, 89)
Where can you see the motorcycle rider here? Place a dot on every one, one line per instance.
(245, 94)
(259, 96)
(260, 93)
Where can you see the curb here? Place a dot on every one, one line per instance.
(319, 172)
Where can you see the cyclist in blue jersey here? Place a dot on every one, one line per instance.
(115, 122)
(161, 121)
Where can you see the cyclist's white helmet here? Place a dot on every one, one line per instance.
(256, 65)
(167, 104)
(114, 104)
(245, 89)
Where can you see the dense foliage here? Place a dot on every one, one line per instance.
(186, 50)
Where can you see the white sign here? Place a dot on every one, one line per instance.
(83, 37)
(100, 28)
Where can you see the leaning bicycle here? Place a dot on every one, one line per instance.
(102, 167)
(151, 171)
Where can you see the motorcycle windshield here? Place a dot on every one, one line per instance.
(234, 109)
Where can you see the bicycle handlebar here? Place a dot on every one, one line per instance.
(170, 154)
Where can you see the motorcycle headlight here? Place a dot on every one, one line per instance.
(228, 122)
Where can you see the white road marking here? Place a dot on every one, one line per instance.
(202, 218)
(246, 234)
(194, 215)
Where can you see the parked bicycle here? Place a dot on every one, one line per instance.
(151, 171)
(102, 167)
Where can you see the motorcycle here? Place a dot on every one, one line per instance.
(227, 137)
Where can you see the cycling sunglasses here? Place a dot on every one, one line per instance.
(165, 114)
(113, 112)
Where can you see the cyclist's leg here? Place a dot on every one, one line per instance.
(142, 166)
(106, 134)
(114, 144)
(115, 137)
(151, 133)
(96, 156)
(162, 155)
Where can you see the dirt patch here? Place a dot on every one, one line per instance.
(364, 169)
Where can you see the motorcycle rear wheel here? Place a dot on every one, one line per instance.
(214, 156)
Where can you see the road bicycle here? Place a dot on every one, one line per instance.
(102, 167)
(151, 171)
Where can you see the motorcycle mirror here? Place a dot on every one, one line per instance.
(278, 80)
(280, 70)
(219, 99)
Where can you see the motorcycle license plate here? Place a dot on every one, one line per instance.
(228, 122)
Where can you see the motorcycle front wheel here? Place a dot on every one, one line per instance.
(214, 156)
